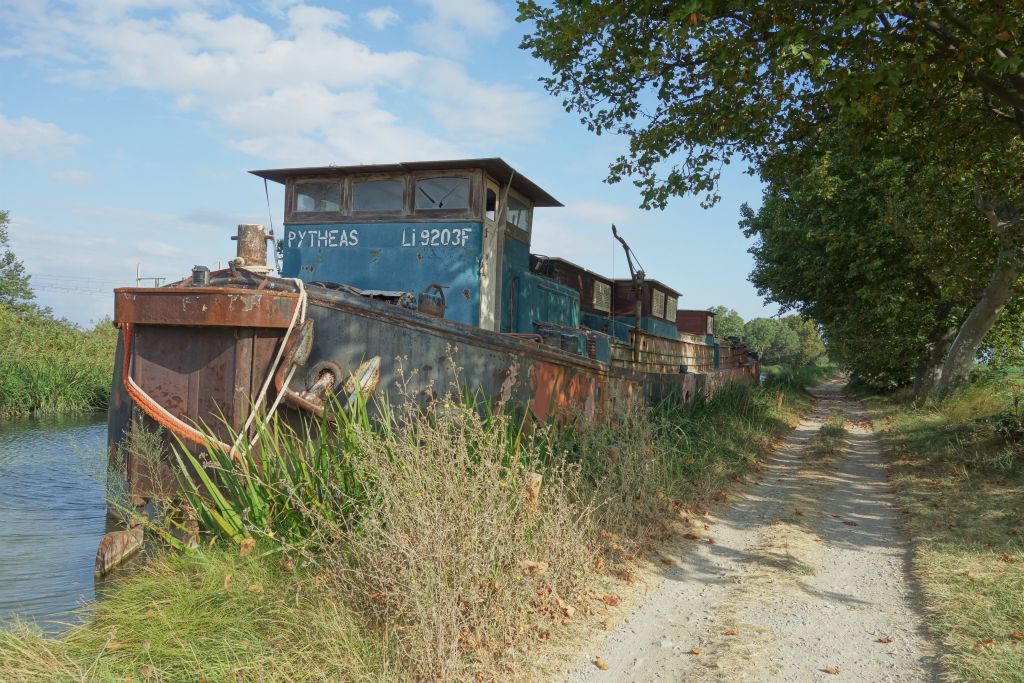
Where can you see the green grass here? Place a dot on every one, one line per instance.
(410, 544)
(831, 437)
(50, 366)
(212, 616)
(960, 477)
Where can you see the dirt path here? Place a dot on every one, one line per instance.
(808, 569)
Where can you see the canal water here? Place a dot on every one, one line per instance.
(52, 516)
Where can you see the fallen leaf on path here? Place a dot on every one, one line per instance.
(849, 522)
(885, 640)
(1006, 557)
(599, 663)
(691, 537)
(607, 623)
(981, 645)
(612, 600)
(831, 670)
(711, 541)
(731, 632)
(696, 651)
(836, 517)
(533, 567)
(1017, 635)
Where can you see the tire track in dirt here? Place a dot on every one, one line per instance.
(809, 569)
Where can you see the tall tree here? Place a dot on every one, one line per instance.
(728, 323)
(696, 84)
(774, 340)
(15, 291)
(812, 348)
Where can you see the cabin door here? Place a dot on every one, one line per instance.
(491, 258)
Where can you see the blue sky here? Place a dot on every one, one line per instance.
(126, 128)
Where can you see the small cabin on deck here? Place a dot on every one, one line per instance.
(658, 304)
(696, 322)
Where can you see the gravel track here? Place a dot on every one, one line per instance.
(809, 569)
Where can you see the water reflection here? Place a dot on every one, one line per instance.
(52, 516)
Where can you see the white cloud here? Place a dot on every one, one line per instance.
(71, 177)
(381, 17)
(454, 24)
(27, 138)
(489, 111)
(297, 91)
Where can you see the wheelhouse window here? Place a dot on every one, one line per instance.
(518, 213)
(491, 204)
(445, 193)
(378, 195)
(317, 197)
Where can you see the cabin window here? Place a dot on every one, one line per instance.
(378, 195)
(602, 296)
(442, 193)
(518, 213)
(657, 303)
(491, 205)
(671, 303)
(317, 197)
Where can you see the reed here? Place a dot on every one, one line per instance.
(50, 366)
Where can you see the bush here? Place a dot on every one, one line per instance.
(52, 366)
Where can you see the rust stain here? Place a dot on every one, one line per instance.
(204, 306)
(560, 392)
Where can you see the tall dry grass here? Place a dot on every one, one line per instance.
(429, 535)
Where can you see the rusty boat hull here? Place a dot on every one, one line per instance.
(202, 354)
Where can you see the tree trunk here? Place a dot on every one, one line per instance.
(929, 372)
(981, 318)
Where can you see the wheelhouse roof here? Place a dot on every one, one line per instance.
(559, 259)
(496, 167)
(650, 281)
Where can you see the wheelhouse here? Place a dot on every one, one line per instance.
(462, 227)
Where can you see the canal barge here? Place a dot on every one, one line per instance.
(400, 280)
